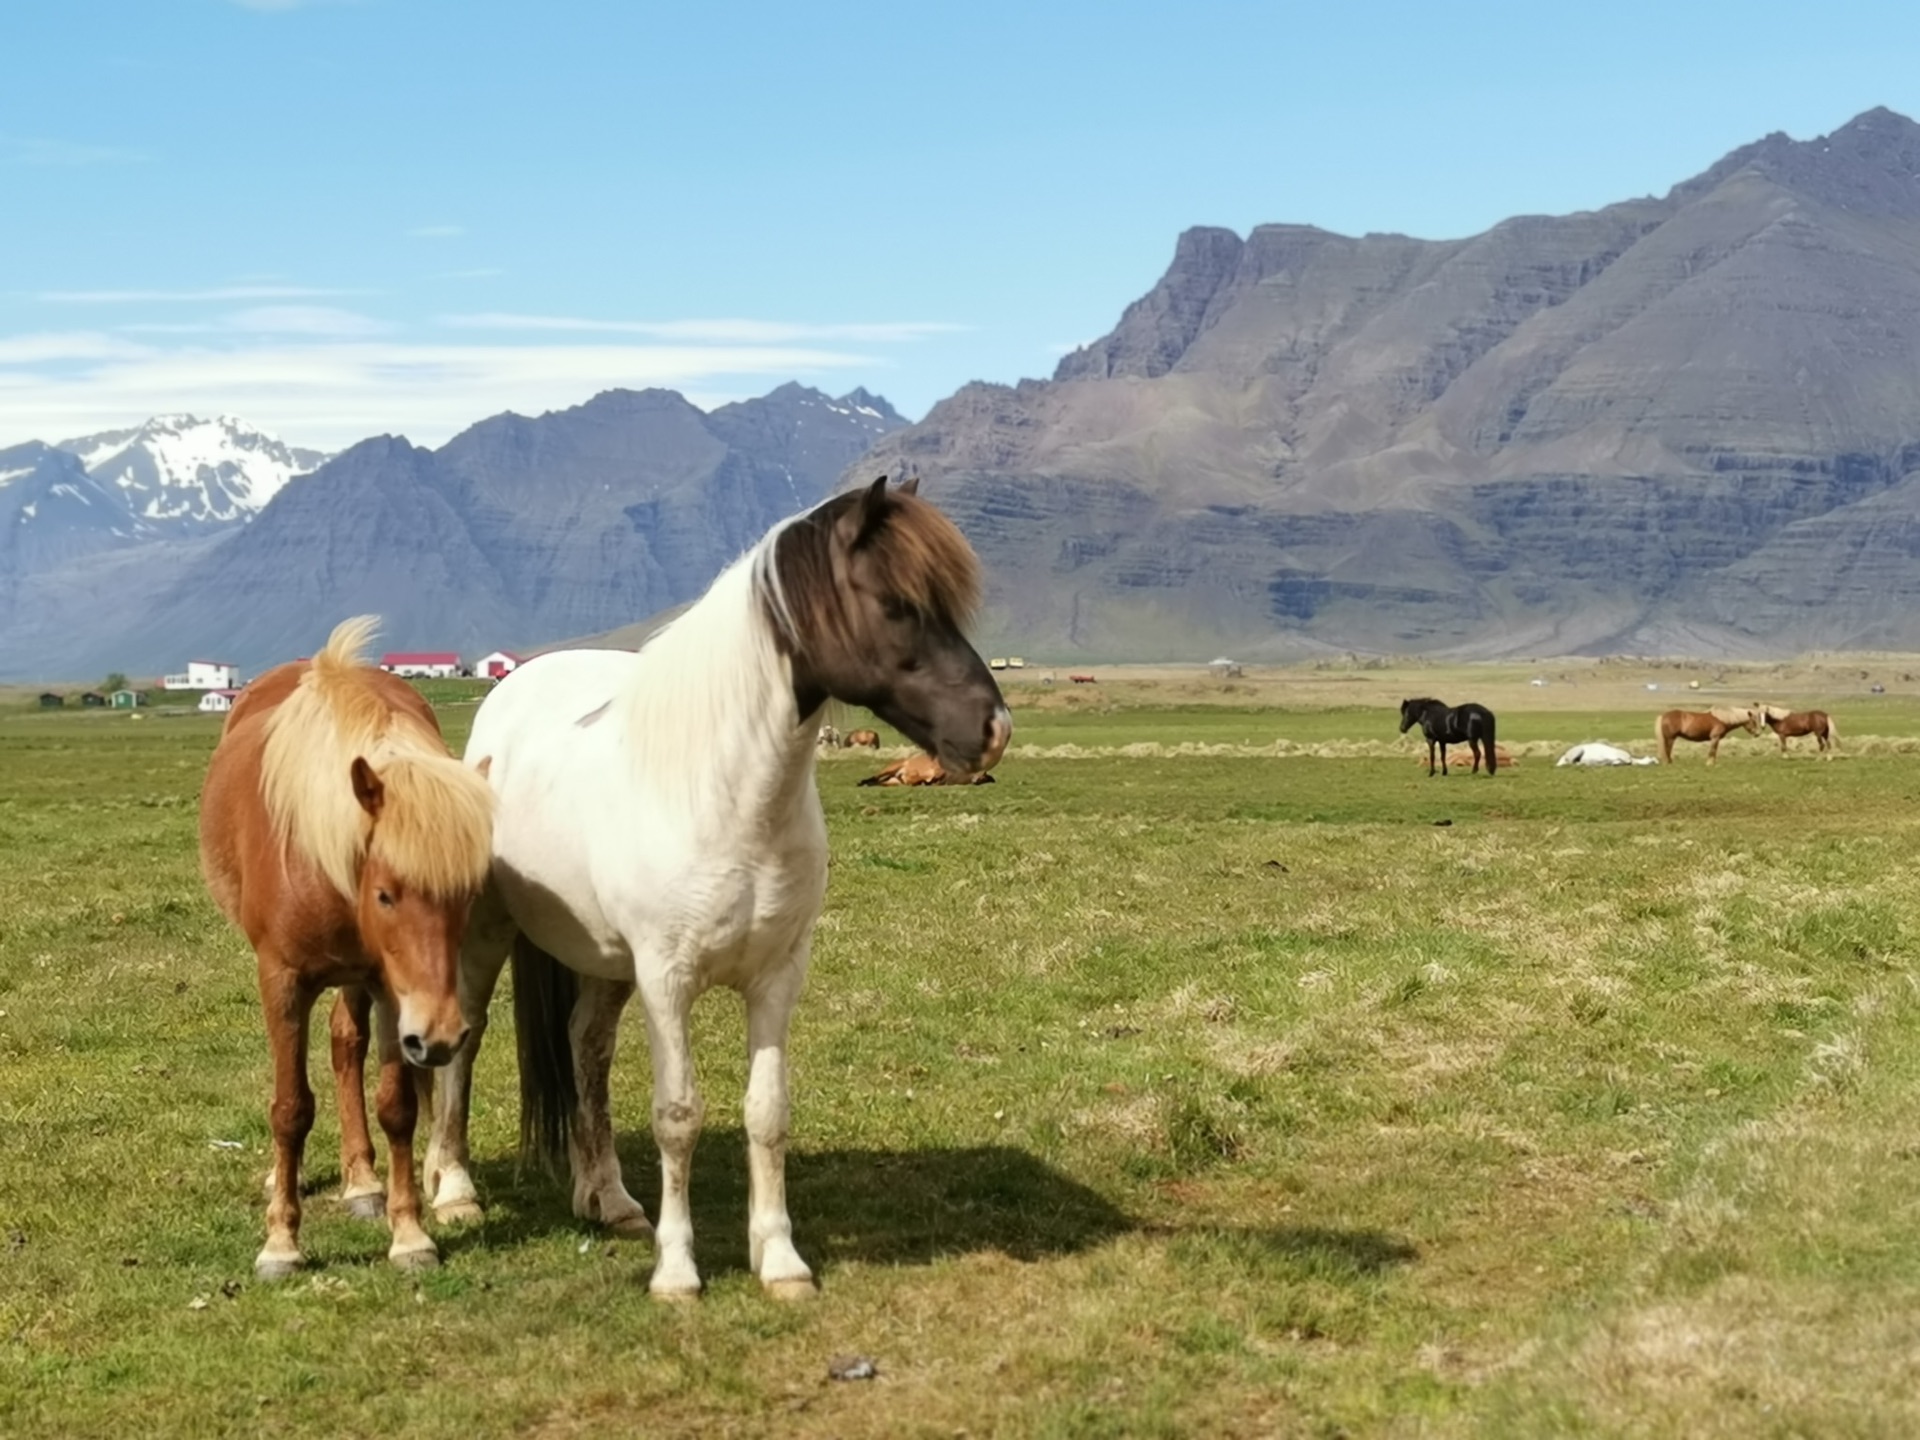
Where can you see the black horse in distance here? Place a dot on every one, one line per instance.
(1444, 725)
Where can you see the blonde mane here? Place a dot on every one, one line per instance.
(436, 824)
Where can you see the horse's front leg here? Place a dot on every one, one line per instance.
(1713, 746)
(677, 1115)
(398, 1106)
(483, 951)
(1443, 758)
(360, 1188)
(770, 1250)
(287, 1001)
(1430, 750)
(599, 1190)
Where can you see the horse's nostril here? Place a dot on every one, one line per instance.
(414, 1048)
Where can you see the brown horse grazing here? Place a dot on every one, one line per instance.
(1709, 725)
(340, 836)
(1790, 723)
(864, 739)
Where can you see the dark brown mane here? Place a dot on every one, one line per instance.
(919, 556)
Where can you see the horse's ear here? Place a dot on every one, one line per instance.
(869, 514)
(367, 787)
(909, 486)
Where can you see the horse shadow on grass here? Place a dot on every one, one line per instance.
(904, 1207)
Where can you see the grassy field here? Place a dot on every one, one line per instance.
(1214, 1073)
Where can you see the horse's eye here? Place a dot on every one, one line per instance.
(384, 898)
(912, 662)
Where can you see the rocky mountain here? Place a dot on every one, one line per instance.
(177, 473)
(53, 512)
(1689, 423)
(515, 532)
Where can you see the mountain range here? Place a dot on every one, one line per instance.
(518, 530)
(1686, 423)
(1683, 424)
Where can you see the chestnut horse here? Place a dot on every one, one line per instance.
(1790, 723)
(659, 829)
(340, 836)
(864, 739)
(1708, 725)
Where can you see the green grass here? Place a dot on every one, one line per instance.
(1134, 1095)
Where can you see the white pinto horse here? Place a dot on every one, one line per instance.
(658, 827)
(1596, 752)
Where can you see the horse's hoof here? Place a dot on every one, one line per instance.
(369, 1206)
(270, 1268)
(422, 1258)
(791, 1291)
(632, 1227)
(674, 1295)
(459, 1212)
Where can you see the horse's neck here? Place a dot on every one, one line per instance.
(714, 721)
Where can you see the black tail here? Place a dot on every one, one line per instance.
(1491, 759)
(543, 994)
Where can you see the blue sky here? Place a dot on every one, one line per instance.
(342, 217)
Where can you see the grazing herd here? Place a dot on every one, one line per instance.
(623, 823)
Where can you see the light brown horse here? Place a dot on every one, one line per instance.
(1708, 725)
(340, 836)
(921, 768)
(864, 739)
(1788, 724)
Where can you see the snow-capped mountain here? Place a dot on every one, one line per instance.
(178, 472)
(52, 511)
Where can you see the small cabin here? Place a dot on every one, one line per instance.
(93, 700)
(218, 702)
(421, 664)
(998, 662)
(52, 700)
(1224, 669)
(1015, 662)
(498, 665)
(126, 699)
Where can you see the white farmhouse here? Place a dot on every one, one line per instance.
(218, 702)
(498, 665)
(204, 675)
(421, 664)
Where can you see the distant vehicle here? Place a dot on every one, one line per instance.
(1014, 662)
(1081, 679)
(999, 662)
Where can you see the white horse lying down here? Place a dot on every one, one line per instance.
(1596, 753)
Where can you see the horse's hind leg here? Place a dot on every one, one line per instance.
(360, 1188)
(678, 1112)
(599, 1192)
(398, 1105)
(769, 1231)
(482, 954)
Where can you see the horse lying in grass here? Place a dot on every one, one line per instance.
(1789, 724)
(1471, 725)
(920, 768)
(1710, 726)
(340, 836)
(659, 828)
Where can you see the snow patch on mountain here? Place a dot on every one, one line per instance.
(179, 470)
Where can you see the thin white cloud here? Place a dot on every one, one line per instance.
(436, 232)
(332, 394)
(34, 150)
(319, 320)
(212, 294)
(721, 332)
(66, 346)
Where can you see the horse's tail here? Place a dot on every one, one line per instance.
(543, 994)
(1660, 736)
(1833, 733)
(1492, 759)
